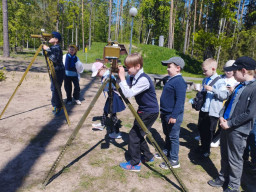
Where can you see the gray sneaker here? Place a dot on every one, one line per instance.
(174, 164)
(158, 156)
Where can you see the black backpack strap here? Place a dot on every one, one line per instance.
(214, 81)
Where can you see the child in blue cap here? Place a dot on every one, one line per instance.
(55, 55)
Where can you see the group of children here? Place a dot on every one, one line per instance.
(67, 68)
(236, 117)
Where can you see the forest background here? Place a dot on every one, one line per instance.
(223, 29)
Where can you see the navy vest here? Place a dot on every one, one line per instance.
(147, 99)
(70, 63)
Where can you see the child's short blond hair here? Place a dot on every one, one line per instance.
(133, 60)
(210, 62)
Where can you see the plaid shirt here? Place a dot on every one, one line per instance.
(55, 55)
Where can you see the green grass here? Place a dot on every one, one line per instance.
(152, 57)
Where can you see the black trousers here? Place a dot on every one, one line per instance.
(56, 98)
(68, 87)
(137, 144)
(206, 126)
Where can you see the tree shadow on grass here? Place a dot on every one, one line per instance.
(16, 170)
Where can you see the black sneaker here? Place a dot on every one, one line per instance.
(216, 182)
(174, 164)
(229, 189)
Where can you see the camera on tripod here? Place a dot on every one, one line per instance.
(112, 52)
(44, 37)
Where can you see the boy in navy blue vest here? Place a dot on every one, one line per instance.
(55, 55)
(172, 109)
(236, 120)
(142, 88)
(72, 67)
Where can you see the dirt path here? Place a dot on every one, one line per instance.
(32, 138)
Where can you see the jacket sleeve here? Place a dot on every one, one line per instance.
(64, 59)
(246, 116)
(219, 90)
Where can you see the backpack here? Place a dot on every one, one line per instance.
(200, 98)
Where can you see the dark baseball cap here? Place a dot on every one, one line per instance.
(57, 35)
(242, 62)
(176, 60)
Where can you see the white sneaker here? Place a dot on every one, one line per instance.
(198, 138)
(216, 144)
(78, 102)
(115, 135)
(98, 126)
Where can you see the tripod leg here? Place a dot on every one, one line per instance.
(150, 137)
(74, 133)
(54, 79)
(22, 78)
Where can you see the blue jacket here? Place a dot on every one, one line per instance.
(173, 97)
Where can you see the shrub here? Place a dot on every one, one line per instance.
(2, 75)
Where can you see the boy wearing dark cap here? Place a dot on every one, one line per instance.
(236, 121)
(172, 109)
(55, 55)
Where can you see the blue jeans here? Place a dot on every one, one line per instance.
(172, 136)
(251, 145)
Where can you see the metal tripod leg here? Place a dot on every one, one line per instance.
(149, 136)
(54, 79)
(22, 78)
(74, 133)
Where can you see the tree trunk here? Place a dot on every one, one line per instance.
(117, 21)
(83, 24)
(173, 25)
(6, 51)
(234, 32)
(206, 20)
(239, 23)
(76, 35)
(62, 32)
(57, 19)
(109, 20)
(186, 32)
(170, 26)
(73, 30)
(90, 27)
(140, 30)
(200, 13)
(121, 20)
(194, 29)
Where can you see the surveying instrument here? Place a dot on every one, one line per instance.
(51, 71)
(111, 52)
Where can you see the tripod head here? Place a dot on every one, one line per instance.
(44, 37)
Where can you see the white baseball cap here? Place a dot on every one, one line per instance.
(96, 67)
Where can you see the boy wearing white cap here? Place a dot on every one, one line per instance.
(100, 70)
(230, 83)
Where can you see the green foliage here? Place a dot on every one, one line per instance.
(2, 75)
